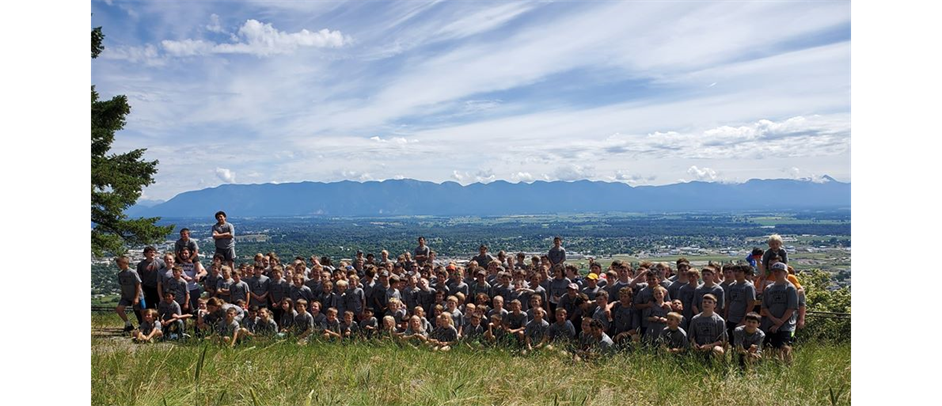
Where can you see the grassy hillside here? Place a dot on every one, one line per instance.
(283, 372)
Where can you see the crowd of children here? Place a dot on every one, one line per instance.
(740, 309)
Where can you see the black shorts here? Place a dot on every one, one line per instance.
(730, 327)
(126, 302)
(227, 253)
(779, 338)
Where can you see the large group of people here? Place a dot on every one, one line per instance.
(531, 303)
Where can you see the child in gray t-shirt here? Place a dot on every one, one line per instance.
(748, 339)
(149, 327)
(673, 338)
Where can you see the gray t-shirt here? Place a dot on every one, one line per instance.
(614, 288)
(167, 310)
(646, 295)
(180, 245)
(557, 255)
(654, 328)
(178, 287)
(445, 334)
(476, 288)
(625, 318)
(332, 325)
(263, 328)
(352, 301)
(561, 332)
(591, 292)
(503, 313)
(472, 332)
(146, 328)
(239, 291)
(536, 330)
(739, 300)
(128, 280)
(422, 251)
(674, 338)
(303, 292)
(277, 291)
(370, 322)
(287, 319)
(777, 299)
(259, 286)
(210, 282)
(353, 328)
(673, 290)
(224, 243)
(557, 287)
(686, 295)
(769, 254)
(149, 278)
(603, 345)
(303, 322)
(743, 339)
(599, 314)
(515, 321)
(707, 329)
(483, 260)
(225, 284)
(715, 290)
(228, 329)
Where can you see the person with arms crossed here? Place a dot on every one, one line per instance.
(224, 236)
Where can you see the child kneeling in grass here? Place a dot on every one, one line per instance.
(149, 327)
(747, 340)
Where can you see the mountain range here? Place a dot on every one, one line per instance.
(412, 197)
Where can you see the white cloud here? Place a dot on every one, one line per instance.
(704, 174)
(187, 47)
(354, 175)
(259, 39)
(214, 25)
(486, 20)
(522, 177)
(393, 140)
(485, 176)
(630, 178)
(474, 106)
(794, 172)
(481, 176)
(225, 175)
(147, 54)
(571, 172)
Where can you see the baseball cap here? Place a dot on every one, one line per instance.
(780, 266)
(592, 276)
(573, 286)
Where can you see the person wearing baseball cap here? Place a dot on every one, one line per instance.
(780, 312)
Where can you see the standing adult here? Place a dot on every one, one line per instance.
(186, 242)
(224, 235)
(483, 258)
(422, 253)
(557, 254)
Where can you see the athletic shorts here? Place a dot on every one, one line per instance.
(779, 338)
(126, 302)
(227, 253)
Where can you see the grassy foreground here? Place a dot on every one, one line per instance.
(282, 372)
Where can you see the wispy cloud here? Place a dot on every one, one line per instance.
(214, 25)
(634, 92)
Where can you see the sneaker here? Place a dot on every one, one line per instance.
(174, 336)
(186, 336)
(128, 328)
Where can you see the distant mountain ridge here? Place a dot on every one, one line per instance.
(413, 197)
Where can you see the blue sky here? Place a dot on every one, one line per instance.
(645, 93)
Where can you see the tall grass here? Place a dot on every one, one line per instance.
(282, 372)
